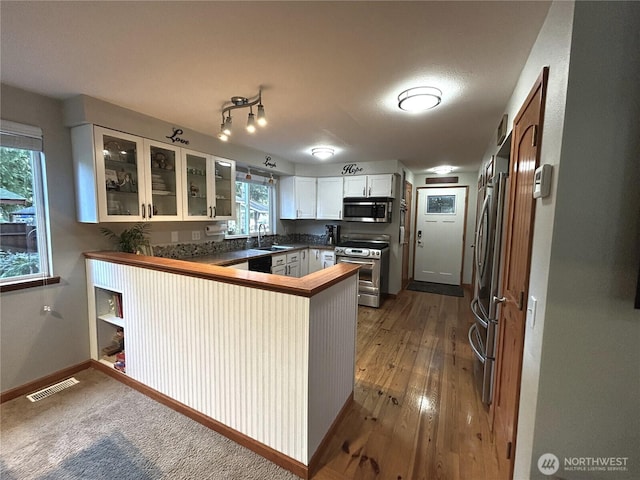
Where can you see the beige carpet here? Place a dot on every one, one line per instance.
(101, 429)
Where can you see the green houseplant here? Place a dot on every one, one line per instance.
(130, 239)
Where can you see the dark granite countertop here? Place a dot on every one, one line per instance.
(226, 259)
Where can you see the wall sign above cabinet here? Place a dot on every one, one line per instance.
(351, 169)
(269, 163)
(175, 138)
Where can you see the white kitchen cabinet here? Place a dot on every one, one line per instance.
(109, 175)
(293, 264)
(304, 262)
(287, 264)
(209, 183)
(364, 186)
(124, 178)
(320, 258)
(163, 181)
(329, 198)
(328, 258)
(297, 198)
(315, 260)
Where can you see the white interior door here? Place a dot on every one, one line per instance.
(439, 235)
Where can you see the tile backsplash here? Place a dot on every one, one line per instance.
(187, 250)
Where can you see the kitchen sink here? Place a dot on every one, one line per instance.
(274, 248)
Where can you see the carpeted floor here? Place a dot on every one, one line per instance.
(101, 429)
(438, 288)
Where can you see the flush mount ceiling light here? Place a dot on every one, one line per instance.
(242, 102)
(442, 170)
(322, 152)
(419, 99)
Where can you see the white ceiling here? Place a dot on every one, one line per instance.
(330, 71)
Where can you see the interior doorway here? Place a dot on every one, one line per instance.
(406, 238)
(439, 234)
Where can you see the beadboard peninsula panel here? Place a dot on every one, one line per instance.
(332, 353)
(239, 355)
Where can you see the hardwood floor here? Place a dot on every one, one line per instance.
(416, 411)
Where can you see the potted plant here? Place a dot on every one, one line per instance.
(130, 240)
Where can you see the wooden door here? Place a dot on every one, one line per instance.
(440, 228)
(516, 261)
(408, 189)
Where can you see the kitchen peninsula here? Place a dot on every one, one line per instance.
(264, 359)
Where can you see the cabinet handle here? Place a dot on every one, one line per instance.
(210, 212)
(144, 210)
(215, 214)
(364, 191)
(339, 214)
(150, 211)
(369, 191)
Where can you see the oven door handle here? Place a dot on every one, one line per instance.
(358, 262)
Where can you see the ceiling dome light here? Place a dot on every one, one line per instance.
(419, 99)
(322, 152)
(442, 170)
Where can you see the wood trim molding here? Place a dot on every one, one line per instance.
(39, 282)
(42, 382)
(307, 286)
(261, 449)
(438, 180)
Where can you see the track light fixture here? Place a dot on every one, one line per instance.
(242, 102)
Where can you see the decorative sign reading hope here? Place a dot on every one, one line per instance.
(268, 162)
(175, 137)
(351, 169)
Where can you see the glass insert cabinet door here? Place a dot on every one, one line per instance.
(198, 186)
(164, 167)
(225, 176)
(120, 175)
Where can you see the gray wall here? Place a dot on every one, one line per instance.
(589, 382)
(580, 383)
(35, 344)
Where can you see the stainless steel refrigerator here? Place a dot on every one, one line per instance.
(483, 334)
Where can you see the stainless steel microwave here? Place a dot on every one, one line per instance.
(376, 210)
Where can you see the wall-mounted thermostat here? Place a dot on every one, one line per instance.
(542, 181)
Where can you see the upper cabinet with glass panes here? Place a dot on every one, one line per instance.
(209, 185)
(125, 178)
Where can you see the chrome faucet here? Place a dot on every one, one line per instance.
(263, 226)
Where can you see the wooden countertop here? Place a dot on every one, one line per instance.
(306, 286)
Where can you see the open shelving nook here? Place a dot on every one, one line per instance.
(110, 327)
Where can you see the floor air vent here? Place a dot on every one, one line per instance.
(47, 392)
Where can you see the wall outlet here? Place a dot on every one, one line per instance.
(174, 237)
(195, 235)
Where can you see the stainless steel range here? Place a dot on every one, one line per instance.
(371, 253)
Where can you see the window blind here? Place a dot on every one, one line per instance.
(18, 135)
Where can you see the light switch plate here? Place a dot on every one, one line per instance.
(174, 237)
(195, 235)
(531, 310)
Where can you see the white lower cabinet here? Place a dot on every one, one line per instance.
(320, 258)
(328, 258)
(304, 262)
(287, 264)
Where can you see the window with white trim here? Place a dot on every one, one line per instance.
(255, 205)
(24, 225)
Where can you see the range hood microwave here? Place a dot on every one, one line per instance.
(373, 210)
